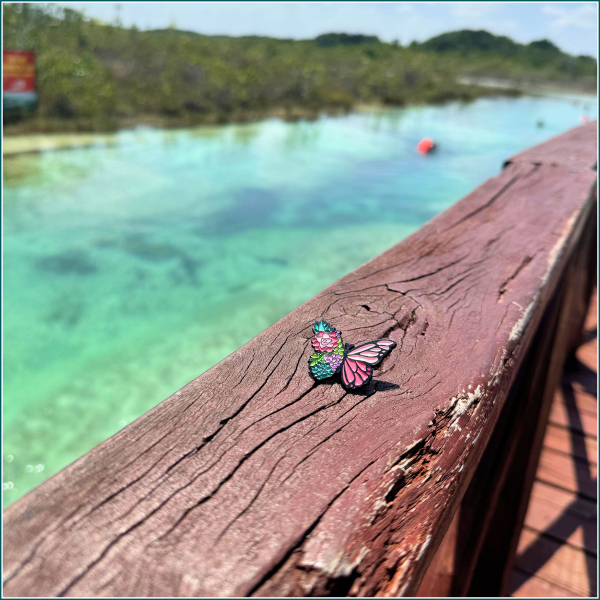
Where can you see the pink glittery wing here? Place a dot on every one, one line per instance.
(355, 374)
(373, 352)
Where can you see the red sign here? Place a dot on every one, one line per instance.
(18, 80)
(18, 73)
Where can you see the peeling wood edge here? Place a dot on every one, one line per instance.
(531, 318)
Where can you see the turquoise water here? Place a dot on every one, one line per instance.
(133, 266)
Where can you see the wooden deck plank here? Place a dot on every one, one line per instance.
(570, 568)
(585, 509)
(525, 585)
(560, 439)
(579, 389)
(569, 518)
(586, 354)
(254, 479)
(571, 418)
(558, 545)
(591, 321)
(568, 473)
(580, 400)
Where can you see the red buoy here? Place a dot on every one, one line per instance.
(425, 145)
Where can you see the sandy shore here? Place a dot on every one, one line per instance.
(13, 145)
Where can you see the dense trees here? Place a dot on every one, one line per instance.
(541, 55)
(100, 76)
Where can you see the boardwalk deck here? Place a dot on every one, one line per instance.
(557, 554)
(255, 480)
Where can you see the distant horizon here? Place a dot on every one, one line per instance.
(571, 26)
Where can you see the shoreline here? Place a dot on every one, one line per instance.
(18, 138)
(528, 87)
(36, 140)
(18, 141)
(35, 143)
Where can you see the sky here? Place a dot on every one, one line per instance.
(572, 26)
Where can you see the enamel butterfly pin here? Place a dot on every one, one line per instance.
(354, 363)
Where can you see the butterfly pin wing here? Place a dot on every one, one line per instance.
(357, 367)
(355, 374)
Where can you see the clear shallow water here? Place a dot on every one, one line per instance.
(132, 267)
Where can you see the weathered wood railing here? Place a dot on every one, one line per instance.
(254, 480)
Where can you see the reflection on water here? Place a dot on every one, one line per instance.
(132, 266)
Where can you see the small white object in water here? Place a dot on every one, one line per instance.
(28, 468)
(8, 485)
(9, 458)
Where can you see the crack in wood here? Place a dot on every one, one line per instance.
(504, 285)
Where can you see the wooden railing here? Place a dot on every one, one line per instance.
(255, 480)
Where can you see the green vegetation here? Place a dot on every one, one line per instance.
(484, 54)
(98, 77)
(328, 40)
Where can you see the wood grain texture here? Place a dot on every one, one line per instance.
(562, 516)
(587, 356)
(525, 585)
(577, 153)
(560, 440)
(568, 570)
(562, 415)
(567, 472)
(437, 581)
(254, 479)
(581, 401)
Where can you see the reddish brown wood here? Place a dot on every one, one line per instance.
(561, 471)
(526, 585)
(495, 503)
(253, 479)
(560, 417)
(569, 570)
(588, 357)
(437, 581)
(562, 516)
(556, 517)
(577, 153)
(559, 439)
(564, 501)
(581, 401)
(556, 339)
